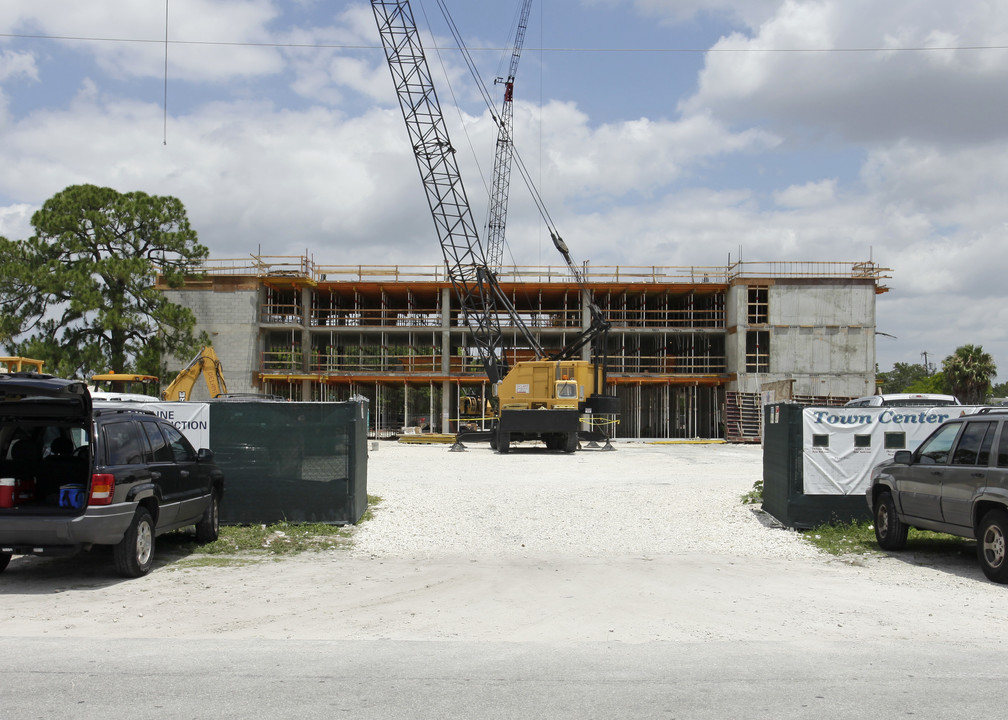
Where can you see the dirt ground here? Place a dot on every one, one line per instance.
(649, 543)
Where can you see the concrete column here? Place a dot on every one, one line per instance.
(446, 299)
(306, 344)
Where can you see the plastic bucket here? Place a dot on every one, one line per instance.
(6, 492)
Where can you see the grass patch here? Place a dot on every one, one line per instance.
(238, 544)
(843, 538)
(754, 496)
(858, 538)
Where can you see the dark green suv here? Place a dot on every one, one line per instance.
(956, 482)
(74, 475)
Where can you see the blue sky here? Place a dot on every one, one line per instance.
(660, 133)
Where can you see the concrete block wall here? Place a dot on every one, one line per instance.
(231, 320)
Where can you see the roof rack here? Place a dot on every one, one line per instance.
(104, 408)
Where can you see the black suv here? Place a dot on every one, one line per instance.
(956, 482)
(74, 475)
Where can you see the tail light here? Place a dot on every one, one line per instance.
(102, 489)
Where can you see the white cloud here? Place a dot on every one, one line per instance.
(15, 221)
(126, 38)
(809, 195)
(812, 66)
(17, 65)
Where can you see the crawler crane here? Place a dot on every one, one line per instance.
(542, 399)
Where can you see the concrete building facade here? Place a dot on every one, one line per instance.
(691, 350)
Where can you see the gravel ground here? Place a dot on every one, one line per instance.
(647, 543)
(643, 499)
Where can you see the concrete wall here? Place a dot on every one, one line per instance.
(231, 320)
(821, 334)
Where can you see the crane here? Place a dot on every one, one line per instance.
(505, 149)
(540, 399)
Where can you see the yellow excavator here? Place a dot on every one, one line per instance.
(207, 364)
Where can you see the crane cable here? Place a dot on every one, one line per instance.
(522, 169)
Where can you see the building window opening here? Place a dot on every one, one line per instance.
(759, 310)
(758, 351)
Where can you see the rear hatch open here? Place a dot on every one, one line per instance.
(45, 444)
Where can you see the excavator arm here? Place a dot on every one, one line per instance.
(207, 364)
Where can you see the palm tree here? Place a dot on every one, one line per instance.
(968, 373)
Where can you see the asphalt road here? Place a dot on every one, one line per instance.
(142, 678)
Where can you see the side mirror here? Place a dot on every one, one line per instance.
(903, 457)
(204, 454)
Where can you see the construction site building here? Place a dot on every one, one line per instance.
(693, 351)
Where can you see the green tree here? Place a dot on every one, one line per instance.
(80, 293)
(902, 376)
(968, 372)
(929, 384)
(1000, 390)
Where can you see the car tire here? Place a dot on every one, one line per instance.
(992, 545)
(134, 554)
(5, 559)
(570, 442)
(503, 443)
(208, 528)
(890, 531)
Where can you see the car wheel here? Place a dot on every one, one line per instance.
(890, 531)
(991, 548)
(208, 528)
(5, 559)
(134, 554)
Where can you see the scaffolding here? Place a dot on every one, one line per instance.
(395, 335)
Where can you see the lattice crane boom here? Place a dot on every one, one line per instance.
(505, 150)
(481, 301)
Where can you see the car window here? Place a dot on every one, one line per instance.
(122, 445)
(1002, 451)
(159, 446)
(974, 445)
(182, 451)
(937, 447)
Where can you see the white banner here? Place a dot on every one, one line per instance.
(191, 418)
(841, 445)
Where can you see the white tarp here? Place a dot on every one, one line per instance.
(841, 445)
(191, 418)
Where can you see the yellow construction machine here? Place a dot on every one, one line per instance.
(117, 382)
(21, 364)
(207, 364)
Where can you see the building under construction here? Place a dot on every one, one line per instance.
(691, 350)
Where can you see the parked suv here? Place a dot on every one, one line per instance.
(956, 482)
(74, 475)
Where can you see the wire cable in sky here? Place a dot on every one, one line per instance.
(165, 140)
(345, 46)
